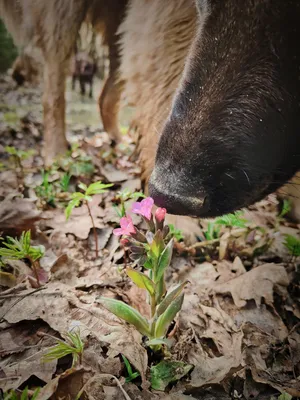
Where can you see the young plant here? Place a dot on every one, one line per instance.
(176, 233)
(84, 198)
(131, 375)
(24, 395)
(286, 208)
(46, 190)
(212, 232)
(153, 251)
(18, 249)
(293, 245)
(18, 156)
(72, 344)
(65, 182)
(122, 197)
(232, 220)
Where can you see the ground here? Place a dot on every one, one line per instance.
(237, 335)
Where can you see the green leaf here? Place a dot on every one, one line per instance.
(72, 204)
(292, 243)
(97, 188)
(164, 320)
(127, 313)
(35, 394)
(176, 233)
(170, 296)
(24, 395)
(232, 220)
(285, 396)
(131, 375)
(166, 372)
(164, 260)
(286, 208)
(141, 280)
(157, 245)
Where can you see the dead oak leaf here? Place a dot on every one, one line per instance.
(256, 284)
(17, 215)
(79, 223)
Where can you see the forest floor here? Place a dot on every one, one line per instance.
(238, 333)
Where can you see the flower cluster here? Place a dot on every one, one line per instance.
(153, 251)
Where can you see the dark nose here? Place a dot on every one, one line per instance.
(178, 203)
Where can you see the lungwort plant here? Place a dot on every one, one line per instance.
(153, 251)
(84, 198)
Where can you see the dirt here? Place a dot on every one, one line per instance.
(237, 335)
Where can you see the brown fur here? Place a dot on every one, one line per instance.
(153, 57)
(52, 27)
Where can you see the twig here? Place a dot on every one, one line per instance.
(94, 229)
(94, 378)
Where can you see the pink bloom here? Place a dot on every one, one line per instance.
(126, 227)
(160, 214)
(143, 208)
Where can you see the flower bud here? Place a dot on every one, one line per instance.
(160, 215)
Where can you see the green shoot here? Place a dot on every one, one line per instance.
(46, 190)
(65, 182)
(286, 208)
(18, 249)
(24, 395)
(131, 375)
(18, 156)
(122, 197)
(212, 232)
(293, 245)
(84, 198)
(231, 220)
(72, 344)
(176, 233)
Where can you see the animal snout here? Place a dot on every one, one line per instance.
(177, 201)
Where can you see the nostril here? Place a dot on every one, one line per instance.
(177, 203)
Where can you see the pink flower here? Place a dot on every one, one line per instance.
(127, 227)
(160, 214)
(143, 208)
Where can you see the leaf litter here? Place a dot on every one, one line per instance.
(237, 336)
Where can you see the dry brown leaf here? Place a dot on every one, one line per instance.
(256, 284)
(79, 223)
(13, 375)
(17, 215)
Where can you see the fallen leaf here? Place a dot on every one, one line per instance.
(256, 284)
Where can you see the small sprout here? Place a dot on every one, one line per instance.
(212, 232)
(24, 395)
(123, 197)
(153, 250)
(293, 245)
(175, 233)
(72, 344)
(231, 220)
(18, 249)
(286, 208)
(65, 182)
(46, 190)
(84, 198)
(18, 157)
(131, 375)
